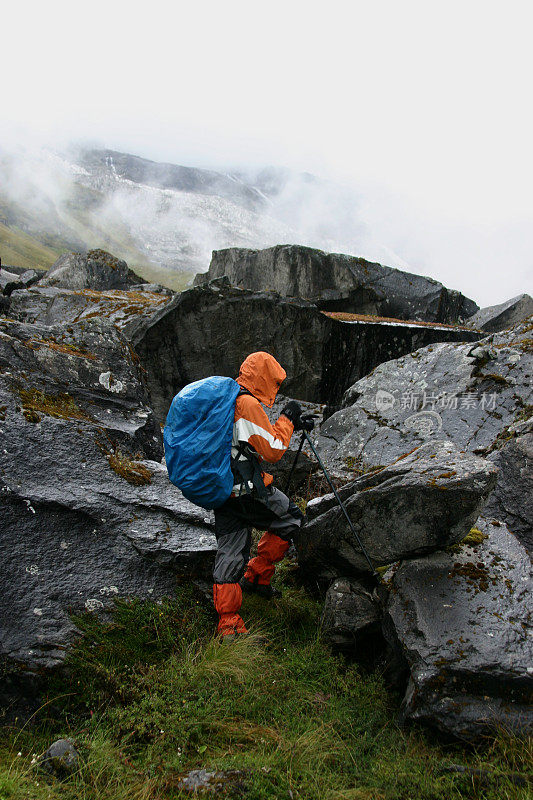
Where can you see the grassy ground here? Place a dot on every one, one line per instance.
(151, 695)
(21, 250)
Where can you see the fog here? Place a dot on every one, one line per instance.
(414, 117)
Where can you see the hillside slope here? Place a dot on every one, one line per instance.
(171, 217)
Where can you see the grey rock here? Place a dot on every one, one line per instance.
(468, 395)
(21, 270)
(207, 330)
(151, 287)
(84, 375)
(339, 282)
(6, 277)
(61, 758)
(87, 515)
(95, 270)
(349, 610)
(217, 782)
(423, 502)
(212, 328)
(10, 281)
(511, 500)
(504, 315)
(463, 624)
(129, 310)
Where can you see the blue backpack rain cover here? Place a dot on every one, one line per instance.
(197, 436)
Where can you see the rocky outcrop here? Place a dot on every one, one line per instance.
(95, 270)
(9, 281)
(211, 329)
(511, 499)
(423, 502)
(504, 315)
(339, 282)
(467, 394)
(130, 311)
(356, 345)
(88, 513)
(350, 611)
(207, 330)
(462, 622)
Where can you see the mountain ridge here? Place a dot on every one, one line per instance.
(166, 217)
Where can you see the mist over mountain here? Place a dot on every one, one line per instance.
(166, 216)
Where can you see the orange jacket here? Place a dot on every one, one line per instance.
(262, 376)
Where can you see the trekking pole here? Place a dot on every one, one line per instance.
(339, 501)
(296, 457)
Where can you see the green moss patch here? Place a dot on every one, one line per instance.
(132, 470)
(61, 406)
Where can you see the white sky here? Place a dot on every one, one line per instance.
(426, 106)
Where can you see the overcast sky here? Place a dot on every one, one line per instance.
(424, 106)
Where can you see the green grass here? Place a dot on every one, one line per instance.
(151, 695)
(22, 250)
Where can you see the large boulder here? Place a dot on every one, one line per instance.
(420, 503)
(350, 612)
(9, 281)
(88, 513)
(212, 328)
(339, 282)
(129, 310)
(207, 329)
(462, 622)
(96, 269)
(504, 315)
(511, 500)
(467, 394)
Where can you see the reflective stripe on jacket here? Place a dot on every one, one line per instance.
(253, 427)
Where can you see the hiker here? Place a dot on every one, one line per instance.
(254, 502)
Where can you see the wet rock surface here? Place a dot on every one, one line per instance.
(84, 374)
(95, 270)
(468, 394)
(86, 515)
(423, 502)
(207, 330)
(512, 498)
(223, 783)
(211, 329)
(349, 610)
(61, 758)
(462, 621)
(340, 282)
(504, 315)
(130, 311)
(9, 281)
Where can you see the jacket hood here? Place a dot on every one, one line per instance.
(261, 374)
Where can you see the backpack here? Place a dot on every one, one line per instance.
(197, 436)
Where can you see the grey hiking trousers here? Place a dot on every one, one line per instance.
(234, 521)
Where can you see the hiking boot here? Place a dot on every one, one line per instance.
(266, 591)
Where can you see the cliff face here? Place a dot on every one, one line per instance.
(339, 282)
(211, 329)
